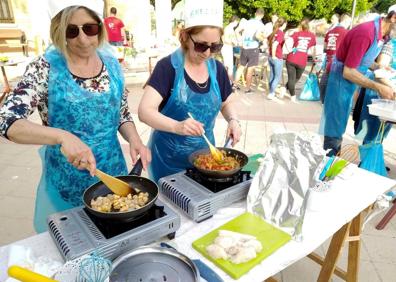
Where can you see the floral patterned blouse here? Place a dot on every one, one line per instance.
(32, 92)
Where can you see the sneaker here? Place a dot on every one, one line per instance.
(282, 92)
(293, 99)
(249, 91)
(271, 96)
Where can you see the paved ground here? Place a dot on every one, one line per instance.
(20, 170)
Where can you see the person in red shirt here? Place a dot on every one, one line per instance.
(332, 41)
(356, 53)
(275, 42)
(115, 29)
(296, 60)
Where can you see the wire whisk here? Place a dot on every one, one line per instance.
(94, 268)
(350, 153)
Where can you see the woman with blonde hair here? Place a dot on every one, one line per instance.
(78, 88)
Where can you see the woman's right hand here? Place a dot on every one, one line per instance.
(190, 127)
(78, 153)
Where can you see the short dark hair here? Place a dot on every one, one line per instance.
(113, 10)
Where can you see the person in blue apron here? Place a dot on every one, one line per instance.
(188, 81)
(78, 88)
(357, 52)
(366, 125)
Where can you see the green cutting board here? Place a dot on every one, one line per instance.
(271, 239)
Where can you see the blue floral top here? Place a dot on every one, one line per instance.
(32, 92)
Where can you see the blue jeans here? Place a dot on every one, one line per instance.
(276, 66)
(116, 43)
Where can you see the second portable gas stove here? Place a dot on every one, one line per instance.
(199, 196)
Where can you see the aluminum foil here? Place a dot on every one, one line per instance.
(280, 188)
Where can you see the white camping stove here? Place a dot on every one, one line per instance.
(199, 196)
(76, 232)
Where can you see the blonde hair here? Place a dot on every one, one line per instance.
(59, 25)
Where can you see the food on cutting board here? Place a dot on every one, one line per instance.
(113, 202)
(235, 247)
(207, 162)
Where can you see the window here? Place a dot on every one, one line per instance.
(6, 15)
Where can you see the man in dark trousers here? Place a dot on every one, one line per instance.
(357, 52)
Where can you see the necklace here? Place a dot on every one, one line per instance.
(202, 85)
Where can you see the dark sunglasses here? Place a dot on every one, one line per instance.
(202, 47)
(72, 30)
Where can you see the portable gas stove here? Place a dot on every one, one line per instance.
(76, 232)
(199, 196)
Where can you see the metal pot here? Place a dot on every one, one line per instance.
(239, 156)
(154, 264)
(141, 183)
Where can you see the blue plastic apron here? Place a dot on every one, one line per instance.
(94, 118)
(339, 92)
(368, 124)
(170, 151)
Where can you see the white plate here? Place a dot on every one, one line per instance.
(384, 111)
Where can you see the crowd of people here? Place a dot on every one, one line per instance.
(78, 88)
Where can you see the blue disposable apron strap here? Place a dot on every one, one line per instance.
(170, 151)
(94, 118)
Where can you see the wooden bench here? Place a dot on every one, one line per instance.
(12, 39)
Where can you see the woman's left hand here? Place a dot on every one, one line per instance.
(234, 130)
(143, 151)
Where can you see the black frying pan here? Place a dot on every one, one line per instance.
(134, 180)
(239, 156)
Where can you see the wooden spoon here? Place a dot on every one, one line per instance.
(116, 185)
(217, 154)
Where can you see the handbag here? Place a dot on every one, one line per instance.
(372, 154)
(311, 90)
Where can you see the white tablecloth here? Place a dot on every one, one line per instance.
(327, 212)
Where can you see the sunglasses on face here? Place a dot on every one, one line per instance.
(202, 47)
(72, 30)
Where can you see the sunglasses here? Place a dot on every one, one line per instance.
(72, 30)
(202, 47)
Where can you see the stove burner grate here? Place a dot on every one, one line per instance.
(217, 184)
(111, 228)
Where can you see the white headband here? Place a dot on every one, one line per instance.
(203, 12)
(55, 6)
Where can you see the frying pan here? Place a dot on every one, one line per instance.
(239, 156)
(141, 183)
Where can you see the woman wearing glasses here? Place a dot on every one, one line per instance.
(78, 89)
(188, 81)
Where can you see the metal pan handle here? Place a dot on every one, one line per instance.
(137, 169)
(228, 142)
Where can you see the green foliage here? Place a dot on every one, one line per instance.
(295, 10)
(383, 5)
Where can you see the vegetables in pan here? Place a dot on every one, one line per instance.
(207, 162)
